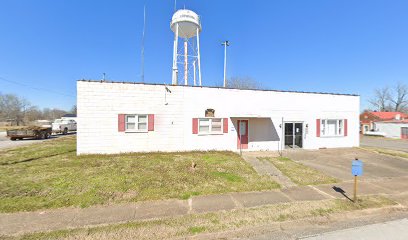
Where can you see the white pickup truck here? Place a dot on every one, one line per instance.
(64, 126)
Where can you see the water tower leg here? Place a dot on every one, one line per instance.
(185, 62)
(194, 72)
(198, 57)
(175, 46)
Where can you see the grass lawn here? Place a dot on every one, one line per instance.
(299, 173)
(393, 153)
(189, 225)
(50, 175)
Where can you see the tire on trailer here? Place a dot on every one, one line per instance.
(41, 135)
(46, 135)
(13, 139)
(65, 131)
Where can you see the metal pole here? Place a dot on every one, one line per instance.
(194, 75)
(225, 65)
(355, 189)
(226, 44)
(185, 62)
(175, 46)
(198, 56)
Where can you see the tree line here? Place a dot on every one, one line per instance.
(18, 111)
(391, 99)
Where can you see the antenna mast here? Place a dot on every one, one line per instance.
(143, 41)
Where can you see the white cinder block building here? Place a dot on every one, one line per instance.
(133, 117)
(393, 128)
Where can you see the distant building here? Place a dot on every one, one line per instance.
(117, 117)
(393, 128)
(368, 118)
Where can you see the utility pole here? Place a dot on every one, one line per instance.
(225, 44)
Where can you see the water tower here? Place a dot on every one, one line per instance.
(186, 25)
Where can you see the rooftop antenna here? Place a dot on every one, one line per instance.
(143, 40)
(175, 5)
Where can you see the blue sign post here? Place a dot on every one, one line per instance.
(356, 170)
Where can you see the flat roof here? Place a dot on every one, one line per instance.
(263, 90)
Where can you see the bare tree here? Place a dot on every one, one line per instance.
(73, 109)
(399, 98)
(380, 101)
(13, 108)
(243, 83)
(391, 99)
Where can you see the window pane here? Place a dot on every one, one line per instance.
(130, 118)
(130, 126)
(142, 118)
(216, 129)
(216, 125)
(204, 129)
(331, 127)
(204, 122)
(242, 128)
(142, 126)
(340, 131)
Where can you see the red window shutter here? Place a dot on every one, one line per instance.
(345, 127)
(150, 126)
(317, 127)
(225, 125)
(121, 122)
(195, 125)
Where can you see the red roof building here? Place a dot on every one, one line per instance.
(368, 118)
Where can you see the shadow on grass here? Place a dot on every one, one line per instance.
(36, 158)
(342, 192)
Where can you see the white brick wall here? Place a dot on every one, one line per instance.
(100, 103)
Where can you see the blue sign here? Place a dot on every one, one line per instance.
(357, 168)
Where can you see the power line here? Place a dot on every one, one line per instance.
(36, 88)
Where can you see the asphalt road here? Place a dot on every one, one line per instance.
(393, 144)
(7, 143)
(396, 230)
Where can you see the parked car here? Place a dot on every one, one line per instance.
(64, 126)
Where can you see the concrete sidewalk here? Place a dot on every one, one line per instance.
(27, 222)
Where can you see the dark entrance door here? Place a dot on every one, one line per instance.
(404, 133)
(293, 135)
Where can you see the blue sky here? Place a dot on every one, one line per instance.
(343, 46)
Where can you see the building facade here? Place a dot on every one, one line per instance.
(393, 128)
(118, 117)
(368, 118)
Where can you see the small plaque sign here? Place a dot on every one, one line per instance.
(357, 167)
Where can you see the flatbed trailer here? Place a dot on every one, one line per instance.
(29, 132)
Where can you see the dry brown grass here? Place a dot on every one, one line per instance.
(214, 222)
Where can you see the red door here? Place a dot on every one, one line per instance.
(242, 134)
(404, 133)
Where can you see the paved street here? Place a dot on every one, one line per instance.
(396, 230)
(393, 144)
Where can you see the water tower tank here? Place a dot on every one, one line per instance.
(186, 24)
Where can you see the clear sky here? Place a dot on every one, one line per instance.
(344, 46)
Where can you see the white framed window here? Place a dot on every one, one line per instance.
(332, 127)
(210, 125)
(136, 122)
